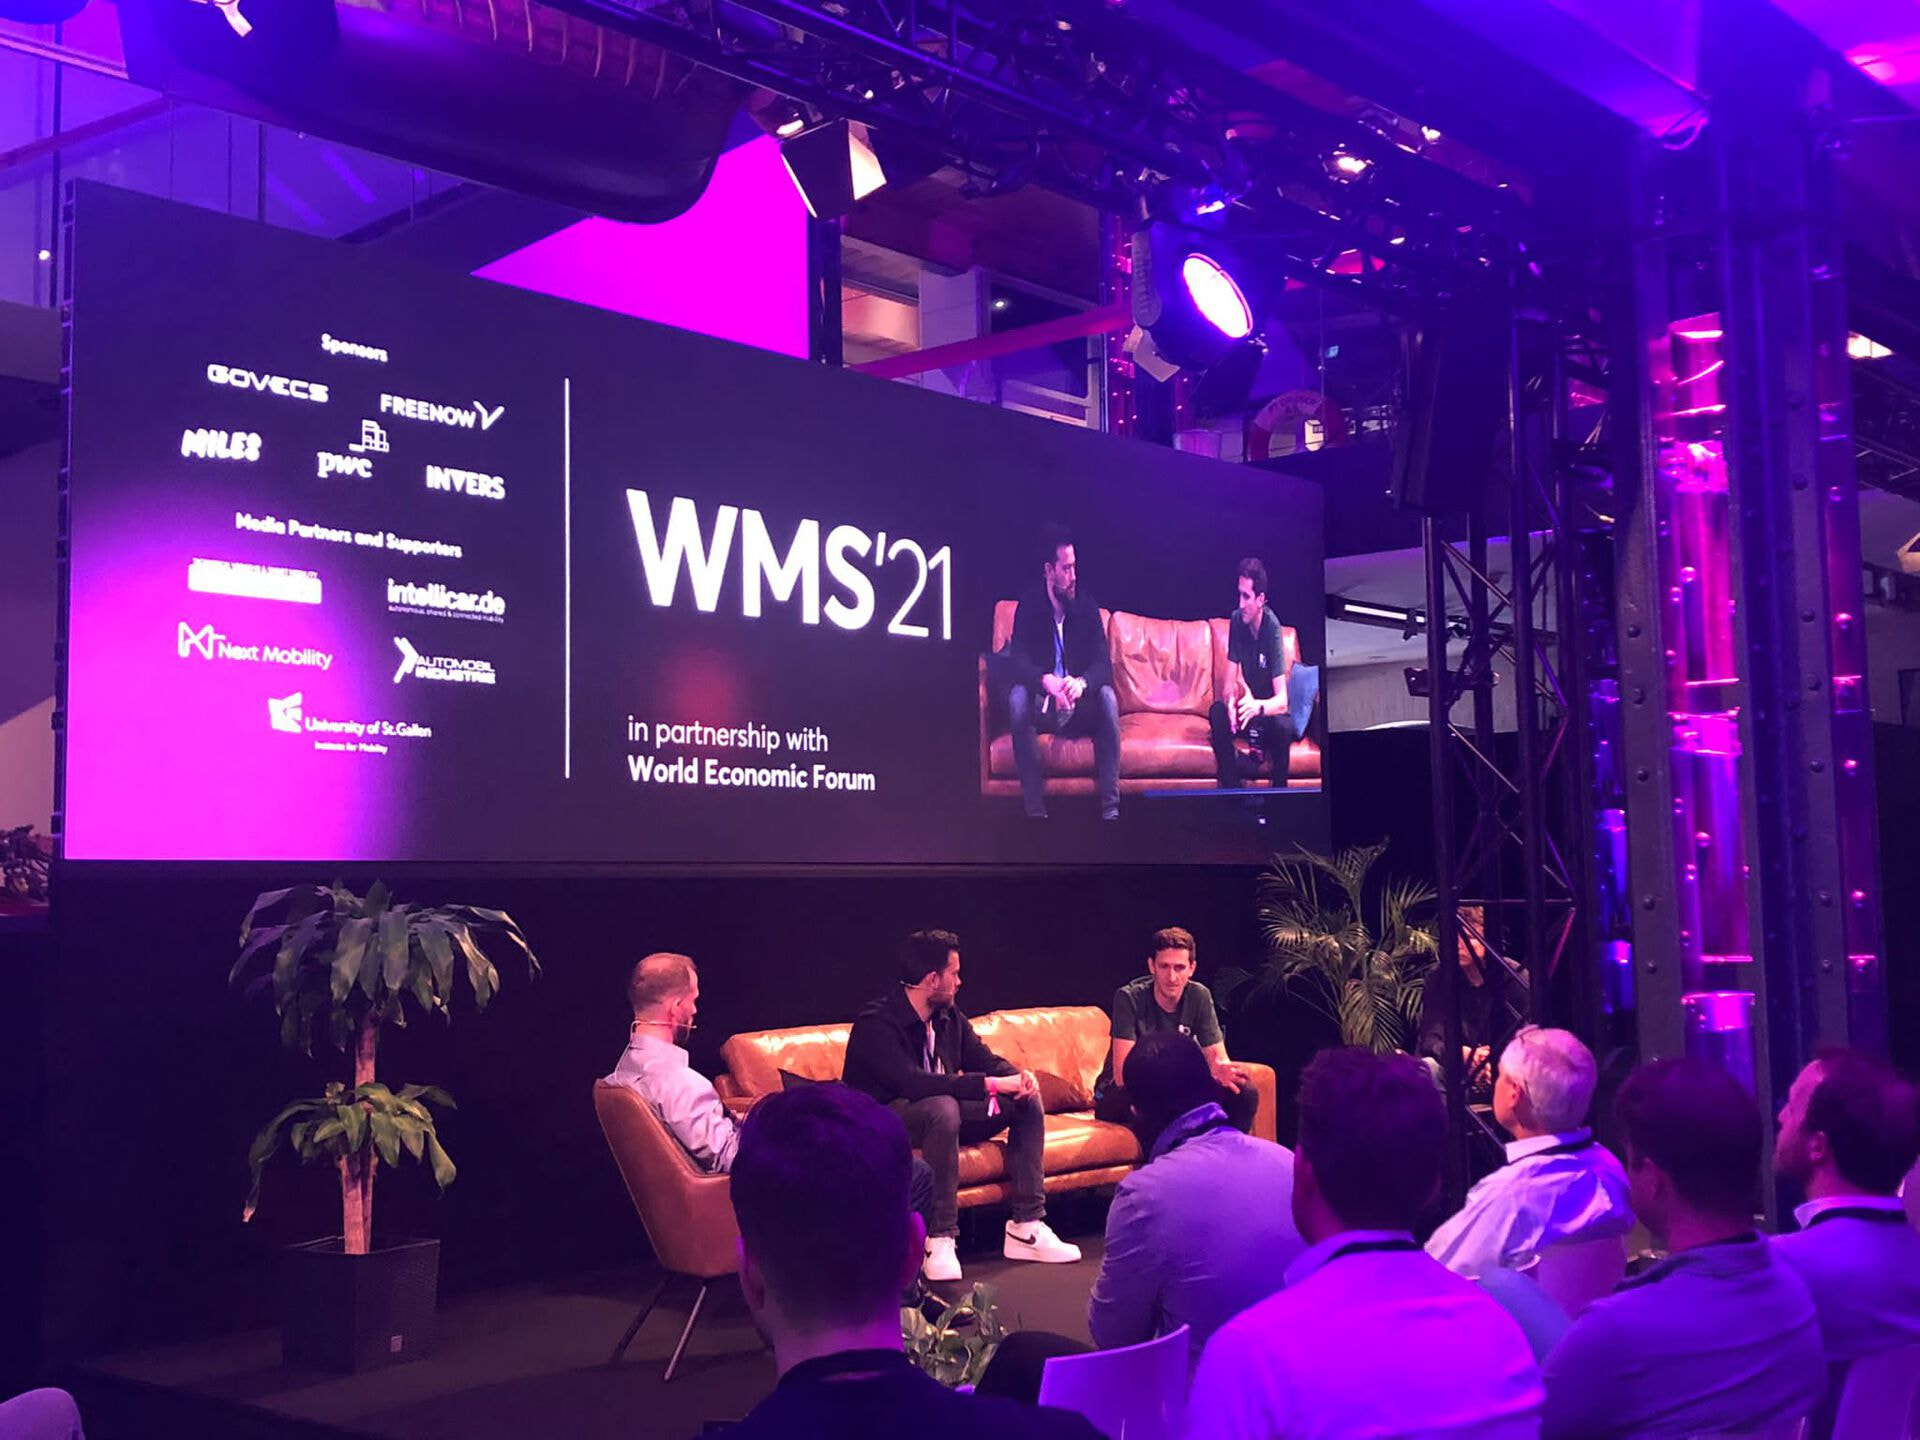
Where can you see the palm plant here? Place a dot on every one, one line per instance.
(340, 966)
(1364, 965)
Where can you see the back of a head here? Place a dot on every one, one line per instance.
(1699, 1126)
(1870, 1114)
(1374, 1130)
(657, 978)
(820, 1190)
(1557, 1072)
(1168, 1075)
(925, 953)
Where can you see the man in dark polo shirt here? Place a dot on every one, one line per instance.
(1168, 1000)
(826, 1244)
(1254, 706)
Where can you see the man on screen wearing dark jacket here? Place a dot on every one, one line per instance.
(915, 1052)
(1060, 677)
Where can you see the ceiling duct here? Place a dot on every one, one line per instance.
(505, 92)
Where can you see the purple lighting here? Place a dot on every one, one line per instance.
(1216, 296)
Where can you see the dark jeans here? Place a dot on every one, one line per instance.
(1097, 714)
(1111, 1105)
(1272, 733)
(939, 1125)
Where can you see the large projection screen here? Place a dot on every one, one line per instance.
(373, 563)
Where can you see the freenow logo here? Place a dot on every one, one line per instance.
(460, 417)
(335, 346)
(356, 467)
(286, 713)
(219, 445)
(210, 644)
(253, 582)
(466, 482)
(439, 667)
(240, 379)
(437, 599)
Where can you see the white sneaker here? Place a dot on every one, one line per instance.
(1035, 1240)
(941, 1262)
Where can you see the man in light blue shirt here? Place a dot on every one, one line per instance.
(1559, 1184)
(1719, 1335)
(1370, 1338)
(1176, 1255)
(1849, 1131)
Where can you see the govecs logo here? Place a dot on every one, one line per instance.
(243, 379)
(220, 445)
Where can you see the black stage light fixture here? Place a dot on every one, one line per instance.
(833, 166)
(1189, 309)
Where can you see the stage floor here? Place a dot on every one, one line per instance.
(525, 1361)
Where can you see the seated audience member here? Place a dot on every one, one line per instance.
(1477, 1009)
(914, 1051)
(1850, 1130)
(1718, 1336)
(40, 1415)
(1168, 1000)
(826, 1243)
(1164, 1265)
(1371, 1337)
(664, 991)
(1559, 1184)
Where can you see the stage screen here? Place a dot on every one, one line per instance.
(369, 562)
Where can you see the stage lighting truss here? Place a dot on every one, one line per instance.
(1077, 96)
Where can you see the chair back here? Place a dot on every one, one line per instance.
(1880, 1398)
(1138, 1392)
(688, 1214)
(1794, 1427)
(1579, 1272)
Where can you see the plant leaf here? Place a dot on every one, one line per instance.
(439, 952)
(441, 1162)
(386, 1136)
(349, 954)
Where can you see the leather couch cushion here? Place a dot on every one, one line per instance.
(1075, 1141)
(1163, 666)
(1058, 756)
(814, 1052)
(1067, 1041)
(1167, 746)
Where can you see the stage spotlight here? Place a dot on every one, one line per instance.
(1343, 164)
(1186, 299)
(833, 167)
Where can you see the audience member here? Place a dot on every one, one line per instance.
(1164, 1265)
(1559, 1184)
(915, 1051)
(826, 1244)
(1371, 1336)
(664, 991)
(40, 1415)
(1168, 1000)
(1849, 1131)
(1719, 1335)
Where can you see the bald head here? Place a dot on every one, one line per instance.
(659, 979)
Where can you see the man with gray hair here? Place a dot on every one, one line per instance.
(1559, 1184)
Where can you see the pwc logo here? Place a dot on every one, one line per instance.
(220, 445)
(286, 712)
(243, 379)
(356, 467)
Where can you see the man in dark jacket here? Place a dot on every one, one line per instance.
(1060, 677)
(915, 1052)
(826, 1242)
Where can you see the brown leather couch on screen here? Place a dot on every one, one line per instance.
(1166, 676)
(1065, 1045)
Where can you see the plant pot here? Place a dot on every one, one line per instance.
(358, 1312)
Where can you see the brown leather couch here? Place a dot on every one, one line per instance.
(1166, 676)
(1065, 1045)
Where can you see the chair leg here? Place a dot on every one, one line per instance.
(639, 1320)
(686, 1334)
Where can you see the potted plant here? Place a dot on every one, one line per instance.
(340, 966)
(1360, 958)
(955, 1348)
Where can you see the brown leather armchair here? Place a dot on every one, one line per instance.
(1166, 676)
(686, 1212)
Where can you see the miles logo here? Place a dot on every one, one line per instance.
(704, 556)
(220, 444)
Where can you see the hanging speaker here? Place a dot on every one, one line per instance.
(1446, 446)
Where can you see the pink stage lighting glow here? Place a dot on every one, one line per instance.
(734, 266)
(1216, 296)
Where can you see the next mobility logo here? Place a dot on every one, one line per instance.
(436, 599)
(210, 644)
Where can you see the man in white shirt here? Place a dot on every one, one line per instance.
(664, 991)
(1371, 1337)
(1164, 1265)
(1849, 1131)
(1559, 1184)
(1718, 1336)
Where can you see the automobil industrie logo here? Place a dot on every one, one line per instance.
(439, 667)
